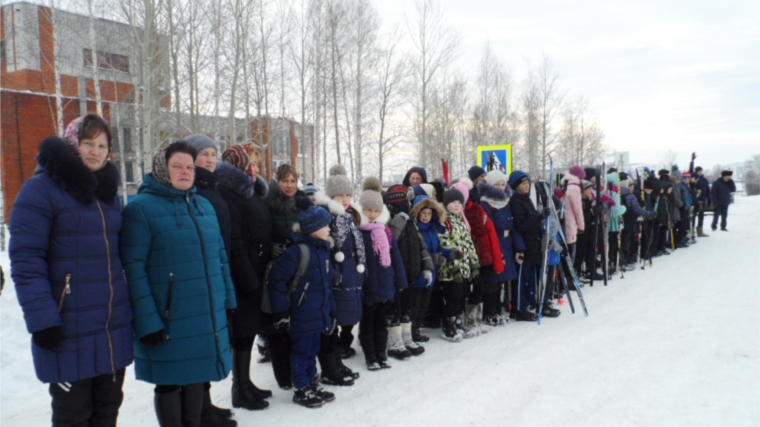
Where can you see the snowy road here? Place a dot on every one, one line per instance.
(677, 345)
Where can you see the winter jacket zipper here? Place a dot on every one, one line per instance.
(208, 281)
(66, 291)
(168, 310)
(110, 287)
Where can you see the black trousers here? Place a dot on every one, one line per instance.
(373, 335)
(492, 298)
(477, 288)
(453, 298)
(435, 309)
(420, 303)
(399, 310)
(613, 248)
(93, 402)
(346, 335)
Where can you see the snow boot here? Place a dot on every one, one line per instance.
(261, 346)
(549, 311)
(278, 345)
(700, 232)
(192, 404)
(306, 397)
(331, 374)
(449, 330)
(406, 336)
(382, 360)
(168, 408)
(396, 346)
(347, 373)
(347, 353)
(484, 329)
(525, 316)
(469, 323)
(319, 391)
(417, 336)
(212, 416)
(244, 393)
(491, 321)
(372, 363)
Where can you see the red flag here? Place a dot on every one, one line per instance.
(445, 166)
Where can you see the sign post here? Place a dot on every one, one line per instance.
(498, 157)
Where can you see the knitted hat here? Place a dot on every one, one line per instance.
(590, 173)
(159, 169)
(662, 173)
(397, 198)
(452, 195)
(686, 175)
(578, 171)
(309, 189)
(201, 142)
(312, 218)
(464, 186)
(726, 173)
(518, 177)
(475, 172)
(587, 184)
(237, 156)
(338, 182)
(625, 183)
(496, 176)
(371, 197)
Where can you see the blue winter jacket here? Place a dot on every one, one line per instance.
(350, 260)
(688, 201)
(382, 283)
(496, 204)
(721, 192)
(429, 233)
(64, 253)
(312, 302)
(179, 282)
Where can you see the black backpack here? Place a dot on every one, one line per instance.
(303, 265)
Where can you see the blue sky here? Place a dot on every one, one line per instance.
(674, 75)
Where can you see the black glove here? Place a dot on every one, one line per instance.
(439, 259)
(282, 321)
(154, 338)
(579, 232)
(277, 250)
(546, 212)
(48, 339)
(457, 254)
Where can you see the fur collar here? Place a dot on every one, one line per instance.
(384, 217)
(436, 207)
(231, 177)
(279, 203)
(65, 167)
(322, 199)
(492, 195)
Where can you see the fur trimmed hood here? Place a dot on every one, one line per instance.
(279, 203)
(322, 199)
(65, 167)
(425, 203)
(229, 176)
(493, 196)
(384, 217)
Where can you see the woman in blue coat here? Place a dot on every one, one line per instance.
(180, 287)
(494, 198)
(64, 253)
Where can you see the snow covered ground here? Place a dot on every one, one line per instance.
(675, 345)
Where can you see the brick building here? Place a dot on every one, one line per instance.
(28, 111)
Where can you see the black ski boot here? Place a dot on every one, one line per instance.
(549, 311)
(382, 360)
(449, 331)
(418, 336)
(347, 373)
(244, 393)
(372, 363)
(347, 353)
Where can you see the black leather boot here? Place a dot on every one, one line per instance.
(243, 393)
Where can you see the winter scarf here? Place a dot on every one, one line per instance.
(160, 170)
(380, 242)
(344, 224)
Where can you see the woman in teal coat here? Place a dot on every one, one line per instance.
(180, 287)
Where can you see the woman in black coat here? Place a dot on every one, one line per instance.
(243, 190)
(282, 202)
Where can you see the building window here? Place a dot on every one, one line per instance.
(2, 50)
(107, 61)
(126, 139)
(129, 175)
